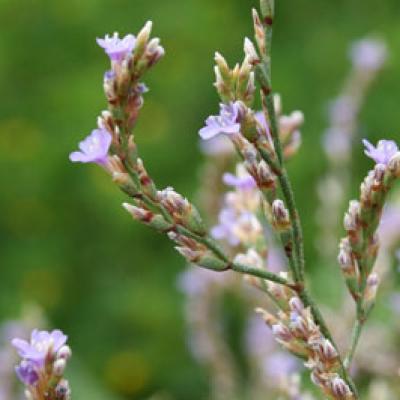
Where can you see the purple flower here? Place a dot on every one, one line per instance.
(246, 182)
(94, 148)
(40, 344)
(280, 365)
(368, 54)
(218, 145)
(260, 117)
(383, 152)
(225, 229)
(117, 48)
(228, 121)
(26, 372)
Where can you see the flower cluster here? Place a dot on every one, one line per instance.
(358, 250)
(262, 197)
(130, 58)
(294, 328)
(41, 370)
(237, 221)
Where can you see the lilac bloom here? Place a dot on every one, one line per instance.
(26, 372)
(368, 54)
(227, 122)
(243, 182)
(94, 148)
(116, 48)
(260, 117)
(224, 230)
(40, 344)
(196, 281)
(280, 365)
(383, 152)
(389, 226)
(218, 145)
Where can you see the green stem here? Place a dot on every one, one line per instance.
(263, 73)
(260, 273)
(355, 336)
(295, 219)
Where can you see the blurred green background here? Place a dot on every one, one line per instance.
(65, 241)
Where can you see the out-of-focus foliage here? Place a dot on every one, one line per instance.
(65, 242)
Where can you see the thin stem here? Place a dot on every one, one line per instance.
(355, 336)
(263, 73)
(294, 217)
(260, 273)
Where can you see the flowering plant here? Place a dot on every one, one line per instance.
(259, 214)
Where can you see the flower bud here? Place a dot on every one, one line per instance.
(282, 332)
(370, 292)
(340, 389)
(62, 390)
(223, 67)
(394, 165)
(296, 304)
(280, 215)
(250, 52)
(259, 32)
(268, 318)
(64, 352)
(59, 367)
(147, 217)
(142, 39)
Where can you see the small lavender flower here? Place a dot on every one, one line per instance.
(368, 54)
(246, 182)
(43, 363)
(94, 148)
(227, 122)
(26, 372)
(116, 48)
(40, 344)
(279, 365)
(225, 228)
(383, 152)
(217, 146)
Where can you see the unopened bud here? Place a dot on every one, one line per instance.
(394, 165)
(345, 260)
(147, 217)
(28, 395)
(109, 85)
(296, 305)
(251, 52)
(379, 172)
(282, 332)
(203, 258)
(59, 367)
(280, 215)
(259, 32)
(264, 175)
(223, 67)
(325, 349)
(62, 390)
(268, 318)
(340, 389)
(371, 289)
(64, 352)
(143, 36)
